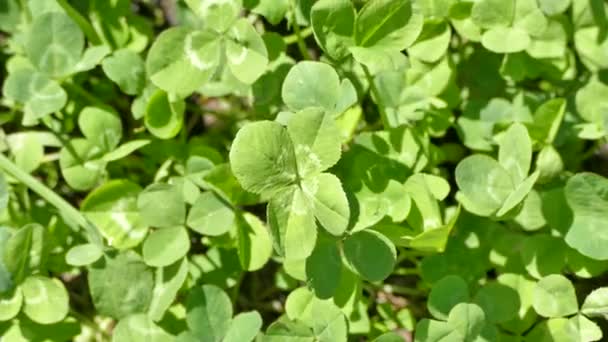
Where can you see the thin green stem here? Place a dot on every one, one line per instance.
(293, 38)
(300, 39)
(66, 209)
(377, 97)
(84, 24)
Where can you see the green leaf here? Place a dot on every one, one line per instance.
(587, 197)
(370, 254)
(316, 141)
(164, 117)
(92, 57)
(333, 24)
(515, 152)
(180, 61)
(210, 215)
(484, 183)
(246, 52)
(83, 255)
(554, 7)
(121, 285)
(24, 251)
(518, 195)
(45, 300)
(54, 44)
(585, 329)
(311, 84)
(166, 246)
(139, 328)
(493, 13)
(112, 208)
(125, 150)
(80, 164)
(289, 331)
(254, 242)
(10, 304)
(445, 294)
(323, 267)
(500, 303)
(390, 24)
(216, 14)
(244, 327)
(596, 303)
(40, 94)
(547, 120)
(468, 320)
(262, 157)
(432, 43)
(167, 282)
(505, 39)
(292, 224)
(209, 312)
(127, 69)
(554, 296)
(162, 206)
(526, 316)
(101, 126)
(329, 203)
(273, 10)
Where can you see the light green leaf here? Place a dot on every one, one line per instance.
(162, 205)
(370, 254)
(518, 195)
(526, 316)
(588, 198)
(167, 282)
(553, 7)
(139, 328)
(180, 61)
(432, 43)
(209, 312)
(585, 329)
(515, 152)
(125, 149)
(244, 327)
(92, 56)
(40, 94)
(117, 295)
(505, 39)
(166, 246)
(262, 157)
(500, 303)
(329, 203)
(164, 117)
(82, 255)
(112, 208)
(292, 224)
(246, 53)
(333, 24)
(596, 303)
(54, 44)
(484, 183)
(554, 296)
(254, 242)
(218, 15)
(80, 164)
(10, 304)
(316, 139)
(493, 13)
(210, 215)
(547, 120)
(311, 84)
(45, 300)
(127, 69)
(24, 251)
(468, 320)
(390, 24)
(101, 126)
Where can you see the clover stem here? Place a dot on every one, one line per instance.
(82, 22)
(293, 38)
(298, 33)
(376, 94)
(66, 209)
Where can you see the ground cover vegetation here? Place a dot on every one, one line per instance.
(303, 171)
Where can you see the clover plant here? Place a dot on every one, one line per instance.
(304, 170)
